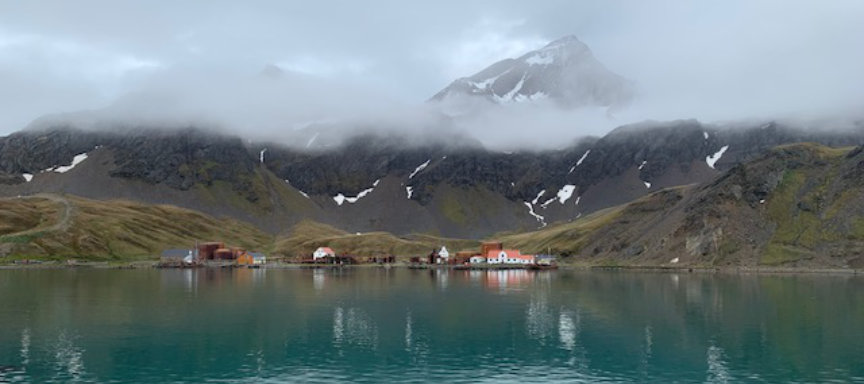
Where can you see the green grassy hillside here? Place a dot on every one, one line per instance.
(61, 227)
(307, 236)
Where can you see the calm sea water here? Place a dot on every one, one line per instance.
(399, 325)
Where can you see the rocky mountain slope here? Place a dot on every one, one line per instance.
(378, 183)
(800, 205)
(564, 71)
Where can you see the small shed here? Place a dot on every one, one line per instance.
(544, 260)
(258, 258)
(177, 256)
(478, 259)
(251, 258)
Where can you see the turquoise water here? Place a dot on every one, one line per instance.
(400, 325)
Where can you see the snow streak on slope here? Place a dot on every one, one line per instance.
(711, 160)
(539, 195)
(261, 155)
(540, 219)
(312, 140)
(419, 168)
(27, 176)
(340, 198)
(410, 191)
(579, 162)
(306, 195)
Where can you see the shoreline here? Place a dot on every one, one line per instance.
(584, 268)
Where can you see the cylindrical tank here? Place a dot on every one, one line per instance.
(223, 254)
(206, 250)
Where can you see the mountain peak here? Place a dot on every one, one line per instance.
(569, 40)
(564, 71)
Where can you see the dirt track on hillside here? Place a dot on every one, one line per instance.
(62, 223)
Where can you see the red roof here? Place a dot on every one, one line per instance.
(327, 250)
(510, 254)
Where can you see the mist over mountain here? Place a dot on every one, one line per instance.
(267, 71)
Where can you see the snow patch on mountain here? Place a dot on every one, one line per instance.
(643, 164)
(486, 84)
(540, 58)
(410, 191)
(27, 176)
(565, 193)
(508, 97)
(712, 159)
(261, 155)
(647, 184)
(341, 199)
(420, 168)
(66, 168)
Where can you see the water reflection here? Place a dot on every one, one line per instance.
(568, 329)
(717, 371)
(353, 327)
(508, 279)
(25, 347)
(540, 319)
(68, 358)
(442, 277)
(374, 325)
(318, 278)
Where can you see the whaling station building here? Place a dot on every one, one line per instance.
(490, 253)
(215, 251)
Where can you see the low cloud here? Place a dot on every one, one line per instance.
(203, 65)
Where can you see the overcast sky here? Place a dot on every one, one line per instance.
(691, 59)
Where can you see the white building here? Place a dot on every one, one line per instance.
(508, 256)
(443, 255)
(323, 252)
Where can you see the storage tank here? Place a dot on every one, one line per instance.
(223, 254)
